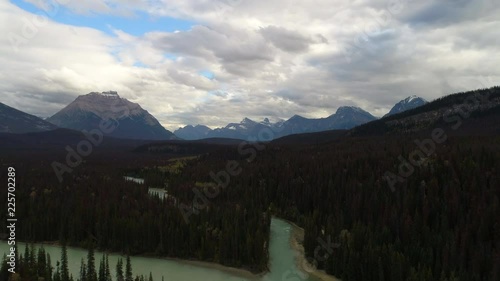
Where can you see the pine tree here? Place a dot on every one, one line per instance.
(41, 262)
(4, 273)
(91, 272)
(128, 270)
(57, 274)
(64, 264)
(83, 271)
(119, 270)
(48, 270)
(106, 269)
(102, 270)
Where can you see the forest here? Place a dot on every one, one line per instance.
(440, 223)
(37, 265)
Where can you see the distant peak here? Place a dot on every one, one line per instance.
(408, 103)
(246, 120)
(412, 98)
(296, 116)
(349, 108)
(109, 94)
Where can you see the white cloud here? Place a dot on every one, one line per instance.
(277, 58)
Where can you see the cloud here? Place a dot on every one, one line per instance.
(273, 60)
(286, 40)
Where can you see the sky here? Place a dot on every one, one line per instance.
(214, 62)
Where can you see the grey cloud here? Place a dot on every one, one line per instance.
(204, 41)
(287, 40)
(428, 13)
(307, 59)
(190, 79)
(236, 51)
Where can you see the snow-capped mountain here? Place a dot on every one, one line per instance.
(16, 121)
(407, 104)
(246, 129)
(133, 122)
(346, 117)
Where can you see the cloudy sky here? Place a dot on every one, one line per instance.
(216, 61)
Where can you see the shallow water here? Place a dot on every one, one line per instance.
(282, 262)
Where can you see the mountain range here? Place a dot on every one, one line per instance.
(133, 122)
(346, 117)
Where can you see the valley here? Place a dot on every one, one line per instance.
(235, 140)
(223, 195)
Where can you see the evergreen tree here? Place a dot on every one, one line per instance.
(64, 263)
(102, 270)
(119, 270)
(107, 271)
(128, 270)
(91, 271)
(48, 269)
(83, 271)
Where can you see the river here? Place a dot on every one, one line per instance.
(282, 262)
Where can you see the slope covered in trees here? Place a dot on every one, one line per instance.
(441, 223)
(399, 210)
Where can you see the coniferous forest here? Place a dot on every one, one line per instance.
(439, 221)
(36, 265)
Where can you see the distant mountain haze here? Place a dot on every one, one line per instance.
(346, 117)
(87, 112)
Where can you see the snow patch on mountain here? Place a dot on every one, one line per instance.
(408, 103)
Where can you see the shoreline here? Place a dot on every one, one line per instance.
(296, 242)
(237, 272)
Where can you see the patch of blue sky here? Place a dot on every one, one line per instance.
(171, 57)
(137, 24)
(140, 64)
(208, 74)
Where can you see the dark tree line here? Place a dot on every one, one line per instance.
(441, 223)
(96, 206)
(36, 265)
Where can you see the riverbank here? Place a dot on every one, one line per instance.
(238, 272)
(297, 243)
(233, 271)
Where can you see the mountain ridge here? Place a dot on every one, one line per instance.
(15, 121)
(346, 117)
